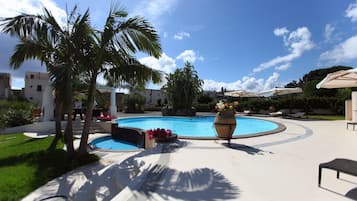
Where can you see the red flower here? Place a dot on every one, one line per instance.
(159, 133)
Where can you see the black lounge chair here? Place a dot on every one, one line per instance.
(340, 165)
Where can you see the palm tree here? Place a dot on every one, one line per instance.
(59, 48)
(182, 87)
(111, 54)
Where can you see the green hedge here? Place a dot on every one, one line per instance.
(152, 108)
(333, 104)
(204, 107)
(307, 105)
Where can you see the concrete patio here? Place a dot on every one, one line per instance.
(282, 166)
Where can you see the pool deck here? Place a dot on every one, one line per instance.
(282, 166)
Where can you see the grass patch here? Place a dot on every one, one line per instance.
(326, 117)
(25, 164)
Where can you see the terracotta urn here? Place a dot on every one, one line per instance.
(225, 124)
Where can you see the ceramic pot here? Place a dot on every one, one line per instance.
(225, 124)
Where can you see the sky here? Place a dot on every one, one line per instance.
(252, 45)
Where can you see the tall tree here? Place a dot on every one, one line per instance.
(59, 48)
(110, 53)
(182, 87)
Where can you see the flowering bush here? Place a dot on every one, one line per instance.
(224, 106)
(104, 118)
(159, 133)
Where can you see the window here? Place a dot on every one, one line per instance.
(39, 88)
(32, 76)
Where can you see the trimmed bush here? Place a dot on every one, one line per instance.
(335, 104)
(15, 113)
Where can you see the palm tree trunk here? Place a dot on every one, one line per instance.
(68, 137)
(58, 118)
(88, 120)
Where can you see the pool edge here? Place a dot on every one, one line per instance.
(281, 128)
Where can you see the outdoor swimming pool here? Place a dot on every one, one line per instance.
(108, 143)
(199, 126)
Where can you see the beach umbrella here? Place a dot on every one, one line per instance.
(240, 93)
(281, 91)
(343, 79)
(339, 79)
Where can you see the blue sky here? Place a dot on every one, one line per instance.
(238, 44)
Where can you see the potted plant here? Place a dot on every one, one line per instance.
(161, 135)
(36, 110)
(225, 121)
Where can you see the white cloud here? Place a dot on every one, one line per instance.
(342, 52)
(165, 34)
(17, 82)
(329, 29)
(13, 8)
(246, 83)
(297, 42)
(190, 56)
(181, 35)
(351, 12)
(272, 81)
(154, 9)
(281, 31)
(164, 63)
(283, 67)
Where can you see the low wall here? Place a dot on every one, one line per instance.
(132, 135)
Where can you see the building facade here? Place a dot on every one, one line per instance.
(154, 97)
(35, 84)
(5, 86)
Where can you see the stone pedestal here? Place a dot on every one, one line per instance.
(354, 106)
(348, 110)
(113, 107)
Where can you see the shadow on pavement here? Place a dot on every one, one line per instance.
(197, 184)
(248, 149)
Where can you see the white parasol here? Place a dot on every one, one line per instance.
(280, 91)
(240, 93)
(339, 79)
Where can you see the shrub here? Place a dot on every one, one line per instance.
(204, 98)
(202, 107)
(134, 103)
(153, 108)
(15, 113)
(335, 104)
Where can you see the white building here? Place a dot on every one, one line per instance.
(35, 85)
(154, 96)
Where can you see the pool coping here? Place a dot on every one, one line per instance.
(281, 127)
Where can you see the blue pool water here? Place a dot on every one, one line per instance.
(197, 126)
(112, 144)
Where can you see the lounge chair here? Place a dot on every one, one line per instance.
(340, 165)
(297, 115)
(247, 112)
(37, 135)
(276, 114)
(353, 123)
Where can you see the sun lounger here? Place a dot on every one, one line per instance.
(340, 165)
(297, 115)
(36, 135)
(247, 112)
(276, 114)
(353, 123)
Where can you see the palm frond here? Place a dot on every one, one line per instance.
(29, 49)
(140, 34)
